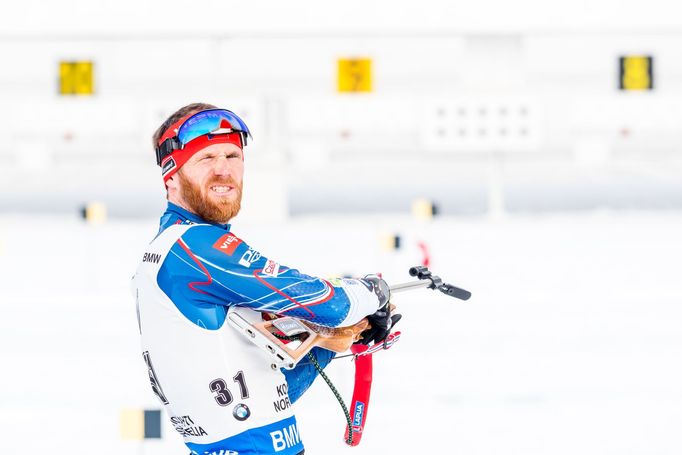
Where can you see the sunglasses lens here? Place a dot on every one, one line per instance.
(210, 121)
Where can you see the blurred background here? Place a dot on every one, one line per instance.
(528, 151)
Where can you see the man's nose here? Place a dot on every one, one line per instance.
(221, 165)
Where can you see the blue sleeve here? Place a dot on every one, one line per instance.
(213, 267)
(303, 375)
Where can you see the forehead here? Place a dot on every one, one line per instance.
(218, 149)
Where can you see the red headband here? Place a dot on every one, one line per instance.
(173, 162)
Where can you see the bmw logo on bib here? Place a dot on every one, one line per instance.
(241, 412)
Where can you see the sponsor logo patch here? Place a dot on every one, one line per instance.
(289, 326)
(241, 412)
(187, 427)
(228, 243)
(151, 257)
(249, 257)
(271, 268)
(345, 281)
(168, 166)
(359, 412)
(285, 438)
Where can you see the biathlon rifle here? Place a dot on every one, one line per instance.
(363, 362)
(287, 340)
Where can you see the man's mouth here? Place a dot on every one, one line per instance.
(221, 189)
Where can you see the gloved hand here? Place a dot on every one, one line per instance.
(382, 320)
(380, 287)
(381, 324)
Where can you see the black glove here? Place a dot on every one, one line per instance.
(381, 323)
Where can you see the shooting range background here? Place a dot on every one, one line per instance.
(559, 201)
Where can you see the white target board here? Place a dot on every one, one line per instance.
(480, 123)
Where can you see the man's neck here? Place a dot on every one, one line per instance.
(187, 214)
(178, 201)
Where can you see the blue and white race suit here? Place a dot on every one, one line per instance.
(218, 389)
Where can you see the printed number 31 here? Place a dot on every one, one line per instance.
(223, 395)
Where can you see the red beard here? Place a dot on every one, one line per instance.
(215, 212)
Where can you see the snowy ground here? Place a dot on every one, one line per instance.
(571, 343)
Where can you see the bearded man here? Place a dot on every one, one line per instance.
(219, 390)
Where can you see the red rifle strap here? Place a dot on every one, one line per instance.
(361, 391)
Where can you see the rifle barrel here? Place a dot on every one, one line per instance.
(402, 287)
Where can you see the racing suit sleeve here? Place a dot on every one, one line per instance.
(211, 266)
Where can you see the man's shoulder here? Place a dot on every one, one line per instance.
(213, 239)
(205, 231)
(170, 233)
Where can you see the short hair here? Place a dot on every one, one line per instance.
(177, 115)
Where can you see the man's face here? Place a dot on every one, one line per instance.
(210, 183)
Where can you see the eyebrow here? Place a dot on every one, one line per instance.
(201, 155)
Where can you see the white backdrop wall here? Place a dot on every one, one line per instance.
(523, 100)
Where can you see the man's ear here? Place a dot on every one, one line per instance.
(172, 182)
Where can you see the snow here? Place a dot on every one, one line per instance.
(570, 343)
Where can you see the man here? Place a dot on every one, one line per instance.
(218, 389)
